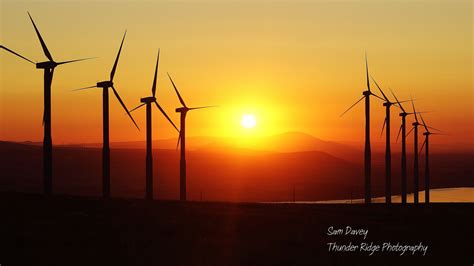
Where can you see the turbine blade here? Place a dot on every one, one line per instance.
(17, 54)
(383, 127)
(85, 88)
(423, 145)
(414, 110)
(367, 71)
(112, 73)
(442, 134)
(396, 105)
(408, 134)
(164, 113)
(176, 89)
(76, 60)
(352, 106)
(398, 102)
(424, 112)
(383, 94)
(124, 107)
(179, 140)
(43, 45)
(434, 128)
(405, 101)
(153, 88)
(398, 135)
(375, 95)
(423, 123)
(177, 92)
(137, 107)
(202, 107)
(417, 113)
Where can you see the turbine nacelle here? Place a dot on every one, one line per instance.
(415, 124)
(46, 65)
(182, 109)
(148, 99)
(105, 84)
(388, 104)
(403, 114)
(366, 93)
(427, 133)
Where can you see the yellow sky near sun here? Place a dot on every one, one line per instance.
(296, 65)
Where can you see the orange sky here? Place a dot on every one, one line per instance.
(296, 65)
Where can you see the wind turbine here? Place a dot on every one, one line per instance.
(182, 138)
(426, 144)
(416, 171)
(367, 152)
(105, 85)
(388, 154)
(149, 154)
(48, 67)
(402, 130)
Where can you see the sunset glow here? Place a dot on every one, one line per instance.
(300, 72)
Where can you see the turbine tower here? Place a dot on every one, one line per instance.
(149, 154)
(105, 85)
(426, 144)
(48, 67)
(388, 153)
(367, 152)
(182, 138)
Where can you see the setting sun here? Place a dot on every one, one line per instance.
(248, 121)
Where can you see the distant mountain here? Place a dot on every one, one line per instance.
(286, 142)
(234, 174)
(226, 175)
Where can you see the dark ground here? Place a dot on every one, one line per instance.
(62, 230)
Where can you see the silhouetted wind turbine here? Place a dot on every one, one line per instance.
(416, 172)
(367, 151)
(426, 144)
(388, 153)
(182, 138)
(402, 130)
(149, 154)
(105, 85)
(48, 67)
